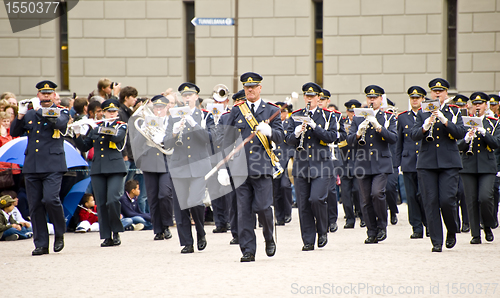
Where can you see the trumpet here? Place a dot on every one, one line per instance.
(220, 93)
(301, 142)
(362, 140)
(471, 144)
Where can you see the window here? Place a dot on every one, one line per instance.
(63, 45)
(318, 42)
(451, 57)
(190, 43)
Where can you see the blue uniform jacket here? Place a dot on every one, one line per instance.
(442, 153)
(407, 149)
(45, 150)
(315, 160)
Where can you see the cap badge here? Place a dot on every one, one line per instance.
(478, 97)
(438, 84)
(112, 105)
(310, 89)
(46, 86)
(414, 91)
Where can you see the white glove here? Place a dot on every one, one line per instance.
(374, 122)
(469, 136)
(311, 123)
(23, 106)
(298, 131)
(36, 103)
(399, 171)
(498, 174)
(158, 139)
(190, 120)
(177, 127)
(76, 129)
(361, 130)
(223, 177)
(441, 117)
(427, 124)
(481, 130)
(265, 129)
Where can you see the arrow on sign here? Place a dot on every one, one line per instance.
(212, 21)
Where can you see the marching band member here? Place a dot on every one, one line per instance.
(44, 165)
(391, 189)
(438, 164)
(494, 105)
(324, 101)
(188, 165)
(312, 165)
(478, 173)
(108, 170)
(255, 194)
(349, 184)
(406, 154)
(378, 132)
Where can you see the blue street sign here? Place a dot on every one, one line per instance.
(212, 21)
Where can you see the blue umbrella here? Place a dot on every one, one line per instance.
(13, 151)
(73, 198)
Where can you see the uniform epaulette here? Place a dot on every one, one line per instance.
(239, 104)
(297, 111)
(403, 112)
(61, 107)
(206, 111)
(120, 122)
(387, 112)
(325, 109)
(492, 118)
(274, 105)
(227, 112)
(338, 112)
(455, 106)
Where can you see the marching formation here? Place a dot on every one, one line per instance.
(245, 160)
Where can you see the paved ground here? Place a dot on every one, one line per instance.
(141, 267)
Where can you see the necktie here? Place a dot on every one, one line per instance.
(310, 114)
(253, 108)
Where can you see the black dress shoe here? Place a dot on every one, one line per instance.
(475, 240)
(107, 242)
(394, 219)
(437, 248)
(116, 239)
(187, 249)
(288, 219)
(220, 229)
(451, 240)
(270, 248)
(247, 257)
(40, 251)
(202, 243)
(308, 247)
(58, 244)
(362, 224)
(159, 236)
(234, 241)
(382, 235)
(322, 240)
(167, 233)
(488, 234)
(416, 235)
(349, 226)
(334, 227)
(280, 223)
(371, 240)
(465, 227)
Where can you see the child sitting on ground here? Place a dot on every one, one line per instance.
(16, 214)
(10, 229)
(88, 215)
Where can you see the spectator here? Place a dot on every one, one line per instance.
(10, 230)
(4, 128)
(81, 105)
(94, 110)
(88, 215)
(3, 104)
(106, 89)
(57, 99)
(67, 102)
(130, 209)
(96, 98)
(12, 111)
(16, 214)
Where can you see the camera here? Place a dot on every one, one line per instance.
(113, 84)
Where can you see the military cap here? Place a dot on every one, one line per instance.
(159, 100)
(351, 104)
(6, 200)
(311, 89)
(374, 91)
(325, 94)
(46, 86)
(460, 100)
(439, 84)
(188, 88)
(494, 99)
(239, 95)
(390, 102)
(110, 105)
(416, 91)
(289, 107)
(479, 97)
(250, 79)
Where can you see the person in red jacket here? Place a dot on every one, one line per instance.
(88, 215)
